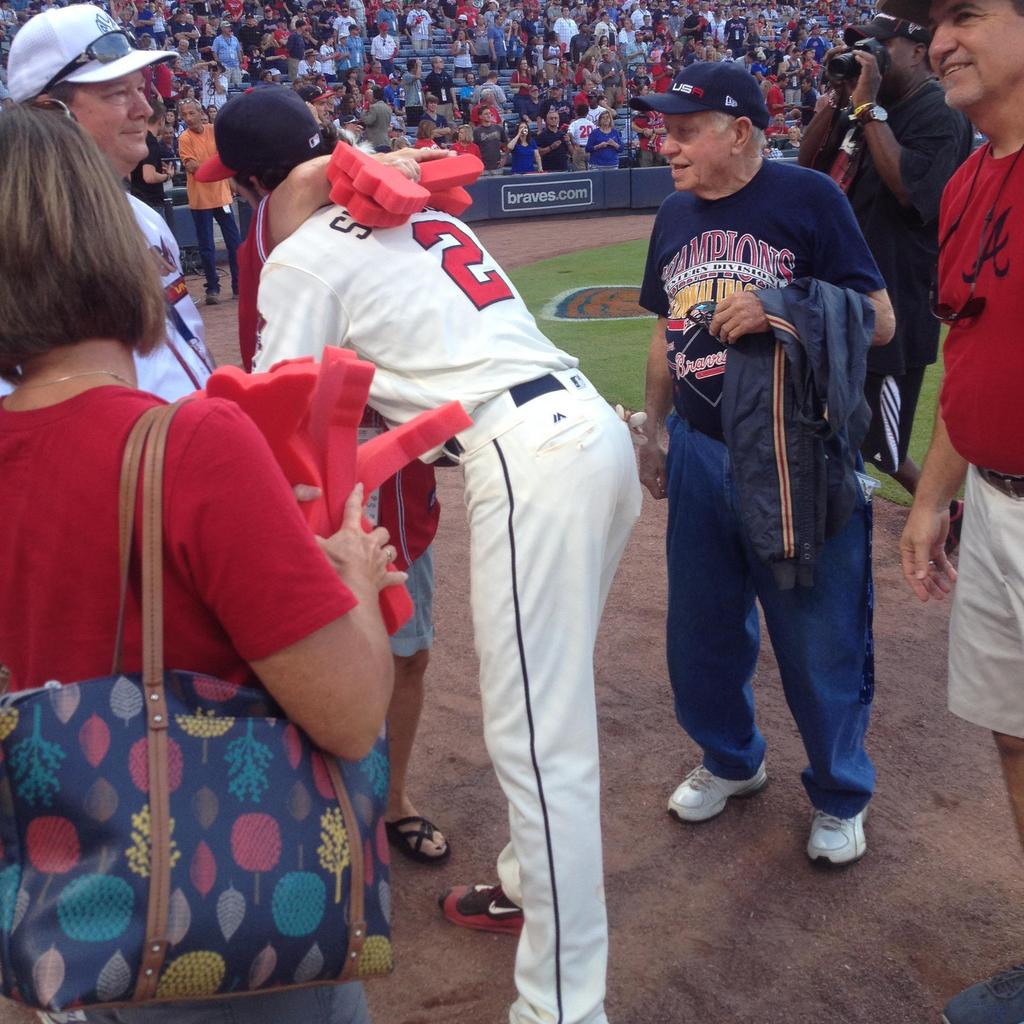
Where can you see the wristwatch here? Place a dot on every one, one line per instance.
(870, 112)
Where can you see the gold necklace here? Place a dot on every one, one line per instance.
(76, 376)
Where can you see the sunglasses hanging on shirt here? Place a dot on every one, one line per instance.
(974, 305)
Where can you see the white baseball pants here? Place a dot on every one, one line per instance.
(551, 504)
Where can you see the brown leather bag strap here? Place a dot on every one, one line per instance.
(151, 436)
(155, 950)
(357, 876)
(131, 463)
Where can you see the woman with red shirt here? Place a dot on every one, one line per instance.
(249, 594)
(465, 143)
(522, 78)
(425, 135)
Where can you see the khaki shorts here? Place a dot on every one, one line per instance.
(986, 628)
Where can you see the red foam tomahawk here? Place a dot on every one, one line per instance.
(380, 196)
(309, 413)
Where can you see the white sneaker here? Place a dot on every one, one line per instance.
(837, 840)
(702, 795)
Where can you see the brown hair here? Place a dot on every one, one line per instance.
(73, 264)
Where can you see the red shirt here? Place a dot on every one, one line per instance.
(662, 78)
(523, 81)
(654, 121)
(984, 357)
(164, 80)
(474, 114)
(467, 147)
(243, 575)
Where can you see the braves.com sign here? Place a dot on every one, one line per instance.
(523, 197)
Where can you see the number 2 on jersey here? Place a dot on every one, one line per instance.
(458, 262)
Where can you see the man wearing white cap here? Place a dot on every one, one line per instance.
(80, 56)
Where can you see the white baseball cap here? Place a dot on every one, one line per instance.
(80, 43)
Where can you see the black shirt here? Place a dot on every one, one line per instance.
(152, 195)
(578, 45)
(440, 85)
(558, 158)
(249, 36)
(735, 33)
(904, 241)
(563, 106)
(325, 24)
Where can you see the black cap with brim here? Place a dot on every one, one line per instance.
(266, 127)
(910, 10)
(888, 26)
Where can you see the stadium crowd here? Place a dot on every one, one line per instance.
(475, 73)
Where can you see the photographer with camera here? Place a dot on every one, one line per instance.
(523, 147)
(887, 138)
(553, 144)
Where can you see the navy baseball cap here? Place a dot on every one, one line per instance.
(723, 86)
(265, 127)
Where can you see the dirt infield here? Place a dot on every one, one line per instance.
(726, 921)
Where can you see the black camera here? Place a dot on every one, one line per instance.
(844, 67)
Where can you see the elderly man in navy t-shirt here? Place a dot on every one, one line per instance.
(735, 225)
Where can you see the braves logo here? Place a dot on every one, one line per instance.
(712, 365)
(699, 369)
(995, 242)
(162, 257)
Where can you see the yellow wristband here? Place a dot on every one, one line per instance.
(857, 111)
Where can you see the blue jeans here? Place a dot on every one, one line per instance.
(203, 220)
(821, 634)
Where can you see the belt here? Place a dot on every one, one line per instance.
(531, 389)
(520, 395)
(1011, 485)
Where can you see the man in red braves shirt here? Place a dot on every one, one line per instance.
(650, 127)
(979, 432)
(407, 501)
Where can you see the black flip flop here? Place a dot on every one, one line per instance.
(409, 841)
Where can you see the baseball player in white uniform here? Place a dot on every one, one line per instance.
(81, 56)
(552, 494)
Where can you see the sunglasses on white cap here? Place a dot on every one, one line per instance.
(105, 49)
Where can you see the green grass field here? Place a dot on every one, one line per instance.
(614, 353)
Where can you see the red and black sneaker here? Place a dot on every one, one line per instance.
(484, 907)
